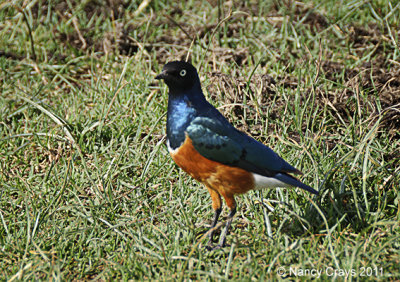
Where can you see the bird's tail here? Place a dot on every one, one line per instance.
(291, 180)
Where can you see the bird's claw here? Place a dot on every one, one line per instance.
(209, 247)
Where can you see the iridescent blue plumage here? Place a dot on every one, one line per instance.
(179, 116)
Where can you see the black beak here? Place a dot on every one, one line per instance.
(162, 75)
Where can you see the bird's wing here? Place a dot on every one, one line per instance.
(212, 142)
(222, 143)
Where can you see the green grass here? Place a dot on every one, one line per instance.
(87, 187)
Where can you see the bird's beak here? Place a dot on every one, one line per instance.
(162, 75)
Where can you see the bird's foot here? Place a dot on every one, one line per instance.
(210, 247)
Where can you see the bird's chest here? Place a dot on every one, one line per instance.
(191, 161)
(180, 114)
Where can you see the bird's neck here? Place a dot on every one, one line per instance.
(182, 109)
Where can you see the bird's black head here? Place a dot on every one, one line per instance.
(179, 76)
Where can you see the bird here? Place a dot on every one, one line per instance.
(210, 149)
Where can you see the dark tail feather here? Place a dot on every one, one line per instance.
(294, 182)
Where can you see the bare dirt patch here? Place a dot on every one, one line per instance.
(382, 88)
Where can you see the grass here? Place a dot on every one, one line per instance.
(88, 190)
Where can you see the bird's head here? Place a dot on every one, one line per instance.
(180, 76)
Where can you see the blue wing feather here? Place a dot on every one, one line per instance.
(212, 144)
(223, 143)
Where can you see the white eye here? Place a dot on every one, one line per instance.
(183, 72)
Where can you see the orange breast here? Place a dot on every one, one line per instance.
(223, 178)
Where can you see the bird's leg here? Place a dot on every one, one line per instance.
(217, 212)
(231, 203)
(226, 229)
(217, 207)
